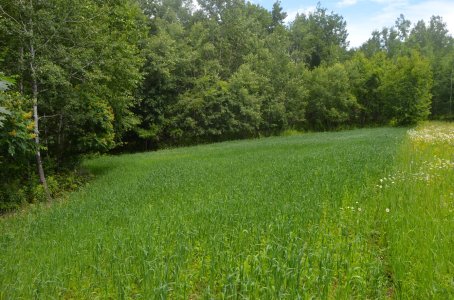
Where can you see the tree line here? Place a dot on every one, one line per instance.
(91, 76)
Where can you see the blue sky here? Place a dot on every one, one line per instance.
(363, 16)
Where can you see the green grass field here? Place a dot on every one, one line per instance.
(357, 214)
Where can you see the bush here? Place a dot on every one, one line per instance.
(406, 89)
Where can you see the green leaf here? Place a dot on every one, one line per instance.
(4, 85)
(3, 111)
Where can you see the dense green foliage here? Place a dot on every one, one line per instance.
(79, 62)
(354, 214)
(241, 72)
(87, 61)
(139, 74)
(16, 144)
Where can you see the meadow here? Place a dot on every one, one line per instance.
(366, 213)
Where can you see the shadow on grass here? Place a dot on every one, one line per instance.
(98, 169)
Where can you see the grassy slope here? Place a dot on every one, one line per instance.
(276, 217)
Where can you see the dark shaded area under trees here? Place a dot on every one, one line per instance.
(97, 76)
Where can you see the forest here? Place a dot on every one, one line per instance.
(85, 77)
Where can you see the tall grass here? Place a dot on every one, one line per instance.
(283, 217)
(419, 228)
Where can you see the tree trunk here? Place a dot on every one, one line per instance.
(450, 95)
(60, 139)
(34, 84)
(21, 70)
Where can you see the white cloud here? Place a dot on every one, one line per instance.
(360, 29)
(358, 34)
(194, 5)
(390, 1)
(345, 3)
(424, 10)
(291, 15)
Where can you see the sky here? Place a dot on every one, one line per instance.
(364, 16)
